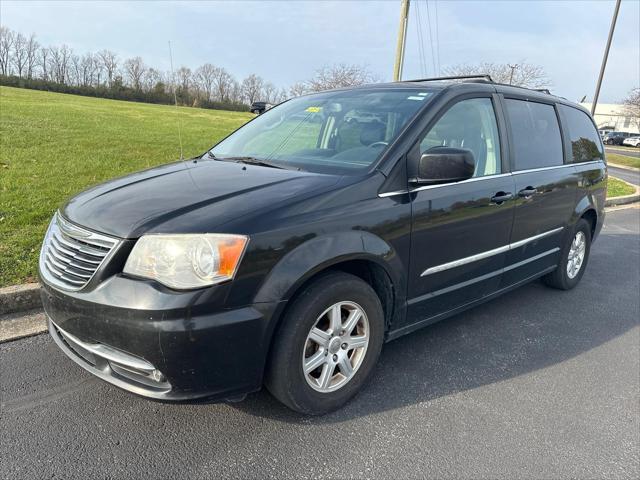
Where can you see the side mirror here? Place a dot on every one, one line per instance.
(445, 165)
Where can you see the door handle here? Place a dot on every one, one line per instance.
(501, 197)
(527, 192)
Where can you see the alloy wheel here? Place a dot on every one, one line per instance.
(576, 254)
(336, 346)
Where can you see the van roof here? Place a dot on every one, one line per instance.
(467, 81)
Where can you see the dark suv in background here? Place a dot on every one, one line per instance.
(616, 138)
(292, 250)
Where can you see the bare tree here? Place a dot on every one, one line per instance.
(204, 76)
(235, 92)
(270, 92)
(7, 38)
(24, 57)
(632, 104)
(184, 78)
(339, 76)
(297, 89)
(134, 69)
(519, 74)
(252, 88)
(151, 78)
(20, 54)
(223, 84)
(59, 63)
(110, 64)
(88, 65)
(43, 62)
(74, 74)
(281, 96)
(32, 55)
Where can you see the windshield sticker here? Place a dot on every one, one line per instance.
(423, 94)
(313, 109)
(415, 98)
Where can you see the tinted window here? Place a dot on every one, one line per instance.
(469, 124)
(585, 142)
(536, 134)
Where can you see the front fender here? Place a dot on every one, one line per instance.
(320, 253)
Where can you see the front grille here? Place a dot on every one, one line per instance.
(71, 255)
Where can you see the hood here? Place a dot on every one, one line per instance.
(206, 194)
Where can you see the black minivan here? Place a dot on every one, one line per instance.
(292, 250)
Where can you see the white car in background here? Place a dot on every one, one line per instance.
(632, 141)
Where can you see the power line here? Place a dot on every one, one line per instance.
(421, 54)
(433, 56)
(437, 37)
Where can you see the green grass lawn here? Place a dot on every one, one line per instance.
(623, 160)
(618, 188)
(53, 145)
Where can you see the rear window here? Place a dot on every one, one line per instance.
(585, 141)
(535, 134)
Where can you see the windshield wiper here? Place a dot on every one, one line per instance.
(256, 161)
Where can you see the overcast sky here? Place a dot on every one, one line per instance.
(286, 41)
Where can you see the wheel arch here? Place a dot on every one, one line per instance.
(586, 209)
(359, 253)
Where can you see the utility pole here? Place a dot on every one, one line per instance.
(513, 68)
(402, 39)
(606, 56)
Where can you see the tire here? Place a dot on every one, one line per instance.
(561, 278)
(286, 378)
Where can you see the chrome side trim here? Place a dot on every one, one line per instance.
(481, 278)
(465, 260)
(555, 167)
(524, 241)
(487, 254)
(486, 177)
(391, 194)
(469, 180)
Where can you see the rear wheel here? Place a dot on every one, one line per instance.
(327, 344)
(573, 260)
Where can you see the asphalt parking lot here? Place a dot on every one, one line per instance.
(537, 384)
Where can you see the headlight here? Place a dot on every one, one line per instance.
(185, 261)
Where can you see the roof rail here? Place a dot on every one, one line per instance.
(543, 90)
(454, 77)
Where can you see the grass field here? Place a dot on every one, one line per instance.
(623, 160)
(618, 188)
(53, 145)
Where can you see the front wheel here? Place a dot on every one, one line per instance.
(327, 345)
(573, 258)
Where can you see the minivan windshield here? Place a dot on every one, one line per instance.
(333, 132)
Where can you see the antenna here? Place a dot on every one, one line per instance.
(175, 99)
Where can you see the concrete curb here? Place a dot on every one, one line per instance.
(625, 200)
(623, 167)
(19, 298)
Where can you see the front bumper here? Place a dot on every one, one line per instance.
(159, 343)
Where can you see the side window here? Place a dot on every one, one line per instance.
(469, 124)
(536, 134)
(585, 142)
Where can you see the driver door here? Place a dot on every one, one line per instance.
(460, 231)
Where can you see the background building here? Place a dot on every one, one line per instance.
(616, 117)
